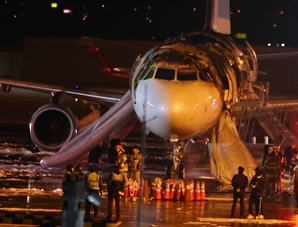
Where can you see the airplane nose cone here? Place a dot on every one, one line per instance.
(177, 109)
(170, 112)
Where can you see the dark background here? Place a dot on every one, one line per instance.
(263, 21)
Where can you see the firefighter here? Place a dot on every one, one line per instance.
(136, 163)
(115, 188)
(121, 161)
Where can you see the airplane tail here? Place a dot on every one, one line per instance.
(106, 67)
(218, 17)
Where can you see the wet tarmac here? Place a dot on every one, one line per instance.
(34, 193)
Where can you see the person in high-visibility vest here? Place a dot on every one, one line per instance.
(115, 186)
(94, 186)
(136, 164)
(121, 161)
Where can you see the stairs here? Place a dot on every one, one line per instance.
(276, 117)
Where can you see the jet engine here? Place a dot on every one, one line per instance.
(53, 126)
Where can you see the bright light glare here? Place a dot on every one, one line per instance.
(54, 5)
(269, 44)
(66, 11)
(283, 44)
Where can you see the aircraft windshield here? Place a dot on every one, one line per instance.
(165, 74)
(187, 74)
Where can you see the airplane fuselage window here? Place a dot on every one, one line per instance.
(165, 74)
(184, 75)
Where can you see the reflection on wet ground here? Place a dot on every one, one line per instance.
(27, 188)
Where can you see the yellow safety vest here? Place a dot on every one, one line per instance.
(117, 177)
(93, 181)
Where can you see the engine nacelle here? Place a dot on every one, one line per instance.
(52, 126)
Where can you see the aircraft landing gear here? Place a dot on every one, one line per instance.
(177, 173)
(175, 168)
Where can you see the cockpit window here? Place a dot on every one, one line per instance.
(165, 74)
(148, 74)
(184, 75)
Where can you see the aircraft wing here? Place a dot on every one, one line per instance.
(93, 97)
(277, 55)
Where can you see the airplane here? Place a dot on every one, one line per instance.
(178, 90)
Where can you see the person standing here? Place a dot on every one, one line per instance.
(239, 183)
(136, 164)
(94, 186)
(121, 161)
(135, 171)
(115, 186)
(271, 172)
(69, 176)
(256, 184)
(78, 175)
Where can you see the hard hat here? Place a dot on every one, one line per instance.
(119, 148)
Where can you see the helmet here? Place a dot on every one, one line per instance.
(119, 148)
(276, 148)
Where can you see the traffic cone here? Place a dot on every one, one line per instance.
(172, 193)
(178, 192)
(145, 191)
(182, 191)
(187, 192)
(153, 189)
(166, 194)
(198, 191)
(191, 190)
(158, 194)
(203, 191)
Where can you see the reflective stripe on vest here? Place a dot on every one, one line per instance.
(117, 177)
(93, 179)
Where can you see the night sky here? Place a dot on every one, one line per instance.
(263, 21)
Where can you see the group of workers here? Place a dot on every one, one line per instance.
(265, 184)
(115, 184)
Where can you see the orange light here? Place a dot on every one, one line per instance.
(238, 10)
(281, 12)
(194, 9)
